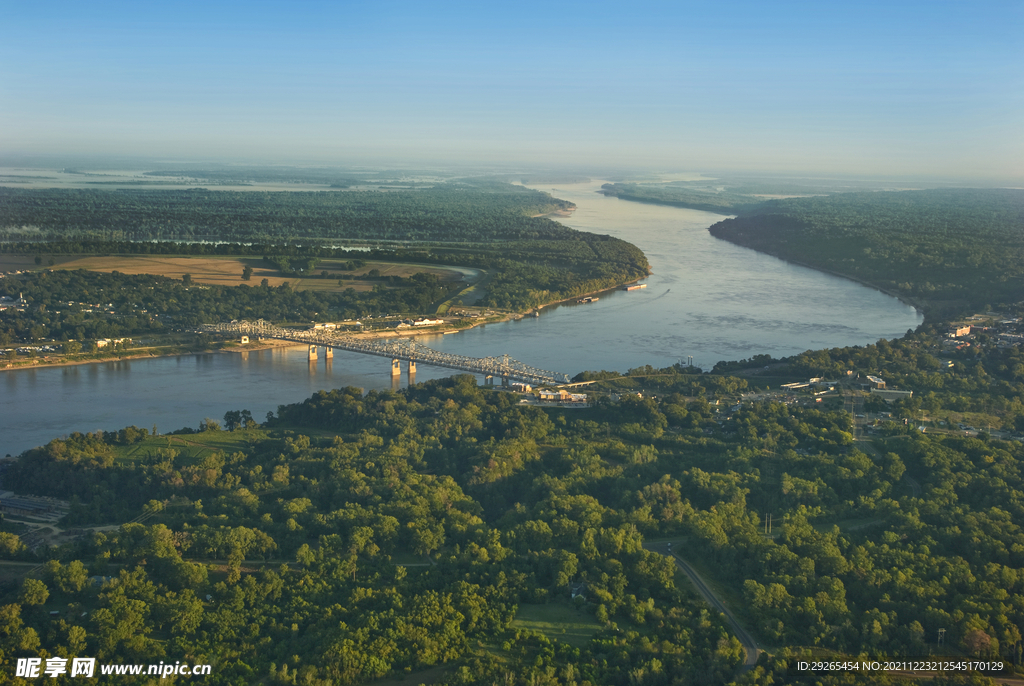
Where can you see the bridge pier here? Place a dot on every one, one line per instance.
(244, 340)
(328, 352)
(312, 353)
(488, 380)
(412, 367)
(396, 367)
(504, 381)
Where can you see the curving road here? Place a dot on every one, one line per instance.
(749, 644)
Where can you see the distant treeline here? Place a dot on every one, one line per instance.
(706, 200)
(338, 178)
(446, 213)
(945, 249)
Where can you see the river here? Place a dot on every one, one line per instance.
(707, 299)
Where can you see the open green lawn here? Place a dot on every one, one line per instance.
(193, 447)
(559, 622)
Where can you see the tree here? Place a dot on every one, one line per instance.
(427, 538)
(232, 420)
(246, 273)
(186, 279)
(70, 578)
(977, 642)
(209, 424)
(33, 592)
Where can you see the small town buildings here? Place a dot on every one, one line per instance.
(562, 396)
(420, 321)
(106, 342)
(891, 395)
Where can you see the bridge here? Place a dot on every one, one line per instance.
(398, 349)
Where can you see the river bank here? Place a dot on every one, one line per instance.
(918, 304)
(47, 361)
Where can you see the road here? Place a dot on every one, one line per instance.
(915, 488)
(748, 642)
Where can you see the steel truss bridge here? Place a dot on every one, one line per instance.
(397, 349)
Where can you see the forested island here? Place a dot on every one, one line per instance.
(529, 260)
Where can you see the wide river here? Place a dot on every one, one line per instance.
(707, 299)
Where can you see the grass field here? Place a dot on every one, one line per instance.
(227, 271)
(192, 447)
(559, 622)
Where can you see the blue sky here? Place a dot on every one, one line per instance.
(916, 88)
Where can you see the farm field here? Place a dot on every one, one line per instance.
(227, 271)
(192, 448)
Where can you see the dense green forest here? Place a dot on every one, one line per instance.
(947, 250)
(354, 536)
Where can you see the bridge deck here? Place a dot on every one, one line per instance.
(396, 349)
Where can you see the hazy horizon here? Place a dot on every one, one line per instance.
(912, 89)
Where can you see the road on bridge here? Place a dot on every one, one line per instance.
(397, 349)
